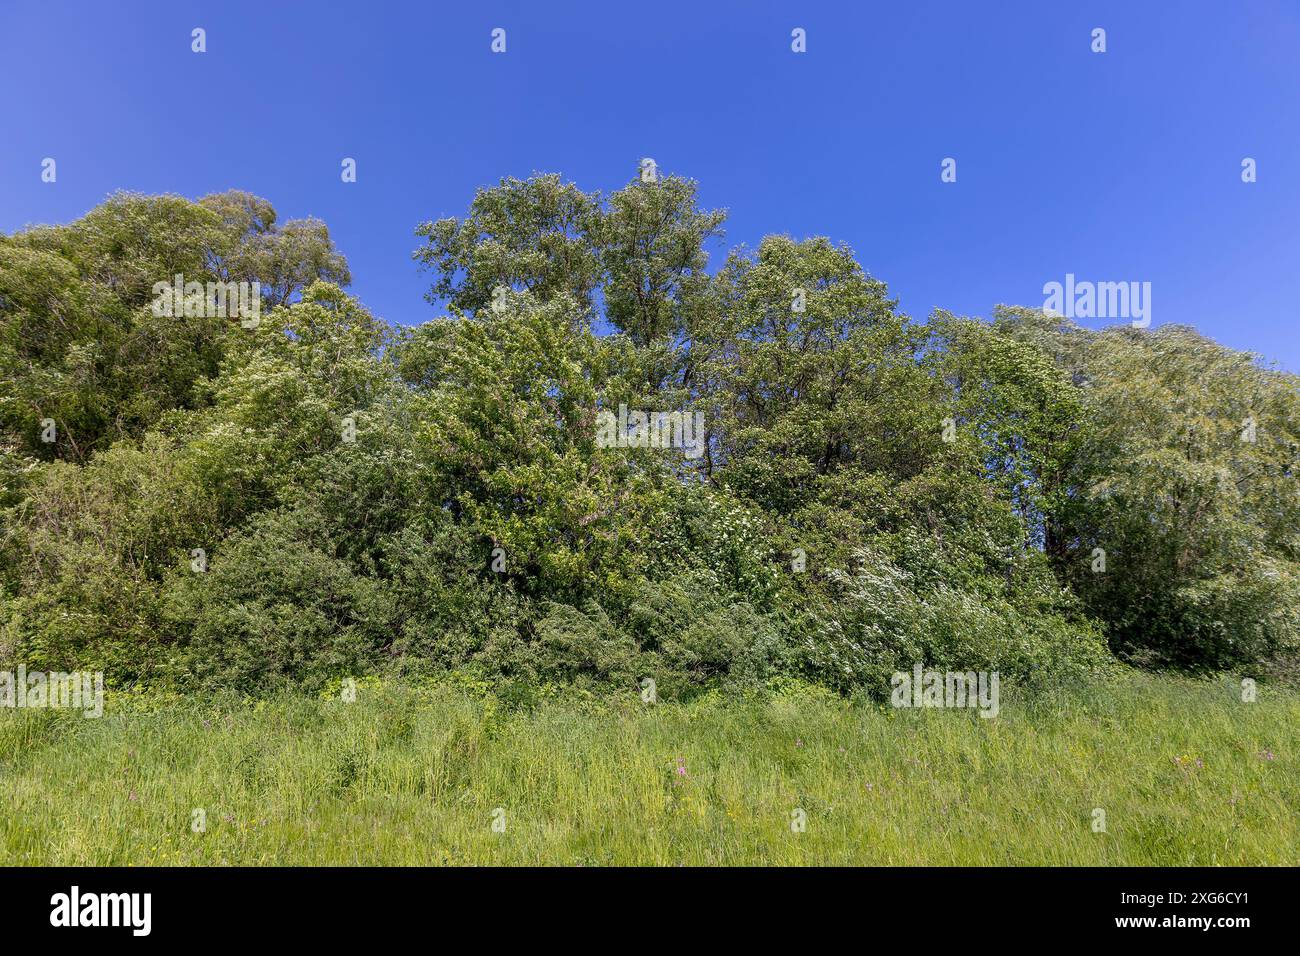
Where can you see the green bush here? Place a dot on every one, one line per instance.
(886, 619)
(275, 608)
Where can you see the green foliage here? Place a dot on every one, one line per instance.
(84, 555)
(283, 258)
(890, 618)
(871, 492)
(524, 235)
(278, 607)
(1185, 477)
(79, 342)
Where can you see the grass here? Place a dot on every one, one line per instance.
(413, 775)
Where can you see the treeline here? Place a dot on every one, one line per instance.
(197, 501)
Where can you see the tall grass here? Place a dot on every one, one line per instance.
(1185, 772)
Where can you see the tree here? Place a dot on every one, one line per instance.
(1179, 526)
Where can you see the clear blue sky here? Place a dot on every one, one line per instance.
(1115, 166)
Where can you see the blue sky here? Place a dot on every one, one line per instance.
(1122, 166)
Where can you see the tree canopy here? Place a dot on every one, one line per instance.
(192, 501)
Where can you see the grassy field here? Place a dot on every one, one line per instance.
(1185, 772)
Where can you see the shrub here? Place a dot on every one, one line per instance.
(275, 608)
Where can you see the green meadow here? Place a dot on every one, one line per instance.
(446, 774)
